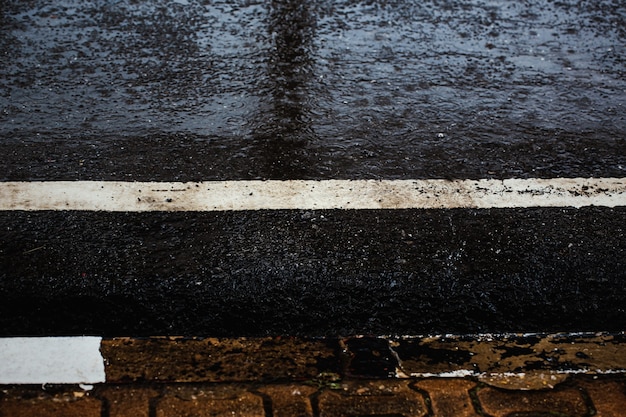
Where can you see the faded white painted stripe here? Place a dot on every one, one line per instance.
(51, 360)
(304, 194)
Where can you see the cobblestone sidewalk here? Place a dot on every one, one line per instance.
(454, 397)
(509, 375)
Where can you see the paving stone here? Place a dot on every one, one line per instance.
(449, 397)
(501, 403)
(372, 398)
(39, 404)
(290, 400)
(608, 397)
(532, 380)
(328, 397)
(214, 401)
(218, 360)
(126, 401)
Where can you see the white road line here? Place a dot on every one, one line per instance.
(51, 360)
(310, 195)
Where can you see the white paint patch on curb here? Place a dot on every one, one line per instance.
(311, 195)
(51, 360)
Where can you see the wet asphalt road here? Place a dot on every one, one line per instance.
(322, 89)
(198, 90)
(314, 272)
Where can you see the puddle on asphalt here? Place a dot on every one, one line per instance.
(320, 88)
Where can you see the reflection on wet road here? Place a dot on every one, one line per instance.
(285, 89)
(285, 121)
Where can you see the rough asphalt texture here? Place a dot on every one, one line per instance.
(196, 90)
(313, 272)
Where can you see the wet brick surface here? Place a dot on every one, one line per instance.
(609, 397)
(372, 398)
(289, 400)
(119, 401)
(500, 403)
(282, 377)
(448, 397)
(189, 401)
(40, 403)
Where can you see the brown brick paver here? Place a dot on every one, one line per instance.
(580, 396)
(372, 398)
(214, 401)
(290, 400)
(501, 403)
(121, 401)
(67, 404)
(449, 397)
(609, 397)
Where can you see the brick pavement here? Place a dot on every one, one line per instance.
(580, 396)
(514, 375)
